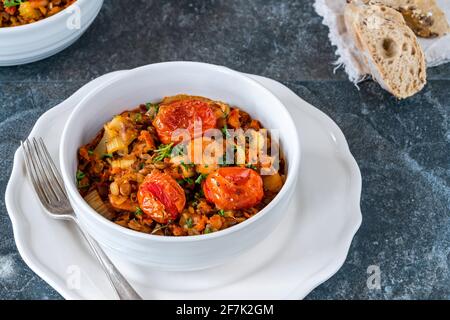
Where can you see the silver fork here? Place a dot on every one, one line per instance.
(49, 187)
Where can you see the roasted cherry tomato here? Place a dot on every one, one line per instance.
(161, 197)
(234, 188)
(182, 114)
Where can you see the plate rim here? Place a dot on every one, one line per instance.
(355, 191)
(321, 276)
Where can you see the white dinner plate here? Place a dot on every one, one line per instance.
(304, 251)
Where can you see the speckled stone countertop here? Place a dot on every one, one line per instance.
(402, 148)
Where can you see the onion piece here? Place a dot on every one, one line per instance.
(115, 144)
(100, 150)
(94, 200)
(122, 163)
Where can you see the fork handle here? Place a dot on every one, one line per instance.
(122, 287)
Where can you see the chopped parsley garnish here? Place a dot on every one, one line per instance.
(138, 211)
(225, 131)
(138, 117)
(188, 180)
(207, 230)
(86, 185)
(225, 114)
(107, 155)
(199, 194)
(12, 3)
(163, 152)
(251, 166)
(80, 175)
(186, 166)
(178, 150)
(159, 228)
(200, 178)
(221, 213)
(152, 106)
(90, 152)
(189, 222)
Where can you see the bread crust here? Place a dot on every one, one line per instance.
(424, 17)
(388, 48)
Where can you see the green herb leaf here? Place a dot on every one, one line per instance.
(90, 152)
(12, 3)
(225, 131)
(138, 117)
(225, 114)
(178, 150)
(199, 194)
(186, 166)
(152, 106)
(221, 213)
(159, 227)
(107, 155)
(189, 222)
(207, 230)
(251, 166)
(80, 175)
(163, 152)
(200, 178)
(138, 211)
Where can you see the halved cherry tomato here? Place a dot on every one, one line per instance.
(234, 188)
(182, 114)
(161, 197)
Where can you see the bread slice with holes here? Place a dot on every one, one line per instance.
(387, 47)
(424, 17)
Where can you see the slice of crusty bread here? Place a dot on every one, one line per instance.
(424, 17)
(388, 48)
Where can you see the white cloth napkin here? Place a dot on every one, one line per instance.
(437, 50)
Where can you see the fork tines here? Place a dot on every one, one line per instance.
(43, 173)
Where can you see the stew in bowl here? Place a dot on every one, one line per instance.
(20, 12)
(186, 165)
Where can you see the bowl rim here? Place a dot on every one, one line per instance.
(87, 210)
(42, 22)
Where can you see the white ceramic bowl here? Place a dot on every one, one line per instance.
(39, 40)
(150, 84)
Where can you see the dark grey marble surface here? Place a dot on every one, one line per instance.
(402, 148)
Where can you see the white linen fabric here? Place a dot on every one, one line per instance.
(437, 50)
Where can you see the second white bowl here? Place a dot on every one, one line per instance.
(44, 38)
